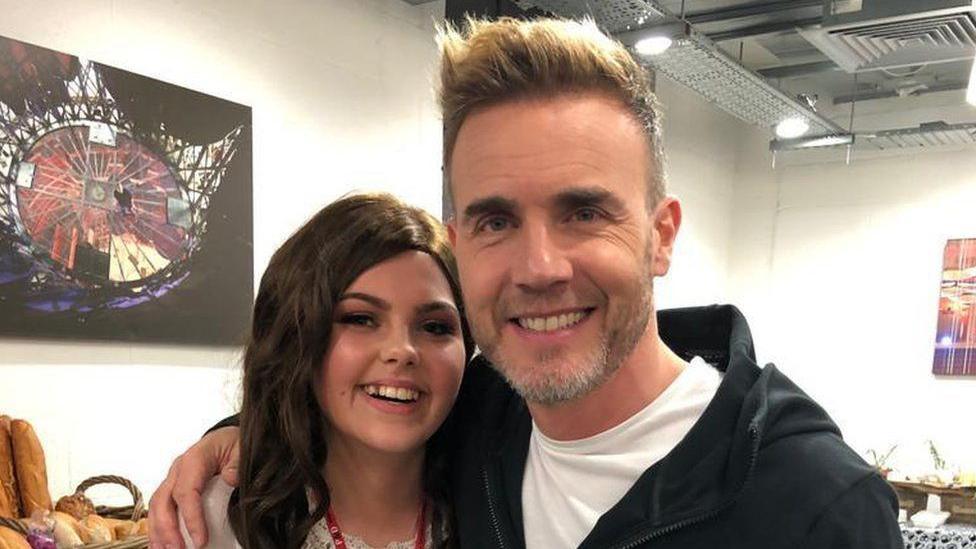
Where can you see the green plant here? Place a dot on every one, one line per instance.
(937, 460)
(881, 460)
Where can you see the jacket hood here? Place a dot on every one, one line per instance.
(753, 408)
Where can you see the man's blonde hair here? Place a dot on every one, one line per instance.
(490, 62)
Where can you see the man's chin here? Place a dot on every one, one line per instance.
(557, 384)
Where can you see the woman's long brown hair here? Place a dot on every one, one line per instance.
(282, 426)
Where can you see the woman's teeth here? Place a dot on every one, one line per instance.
(550, 323)
(400, 394)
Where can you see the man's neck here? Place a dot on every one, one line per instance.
(645, 374)
(375, 496)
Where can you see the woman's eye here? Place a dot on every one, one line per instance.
(357, 319)
(438, 328)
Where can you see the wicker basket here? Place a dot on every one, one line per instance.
(133, 512)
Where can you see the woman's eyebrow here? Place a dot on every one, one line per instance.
(439, 305)
(371, 299)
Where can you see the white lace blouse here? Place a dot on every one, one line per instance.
(216, 497)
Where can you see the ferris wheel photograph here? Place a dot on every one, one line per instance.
(125, 205)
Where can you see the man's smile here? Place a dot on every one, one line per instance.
(542, 322)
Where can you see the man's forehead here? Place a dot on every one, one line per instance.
(528, 151)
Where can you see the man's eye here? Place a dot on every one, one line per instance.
(585, 215)
(494, 224)
(357, 319)
(438, 328)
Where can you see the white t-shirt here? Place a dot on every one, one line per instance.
(569, 485)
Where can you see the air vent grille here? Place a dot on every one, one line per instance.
(899, 42)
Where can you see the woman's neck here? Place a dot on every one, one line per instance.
(375, 496)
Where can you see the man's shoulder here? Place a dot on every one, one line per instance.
(483, 388)
(809, 482)
(487, 406)
(812, 471)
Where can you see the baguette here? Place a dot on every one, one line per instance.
(30, 468)
(9, 496)
(12, 540)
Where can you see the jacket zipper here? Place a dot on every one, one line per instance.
(496, 525)
(671, 528)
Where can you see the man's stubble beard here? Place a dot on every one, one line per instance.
(547, 384)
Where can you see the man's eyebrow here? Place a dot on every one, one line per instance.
(489, 204)
(371, 299)
(579, 197)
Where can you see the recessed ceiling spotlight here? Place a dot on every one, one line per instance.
(653, 45)
(792, 127)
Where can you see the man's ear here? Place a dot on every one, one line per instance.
(667, 220)
(452, 231)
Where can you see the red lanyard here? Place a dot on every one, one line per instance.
(420, 542)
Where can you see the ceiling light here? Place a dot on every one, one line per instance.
(792, 127)
(653, 45)
(971, 92)
(815, 142)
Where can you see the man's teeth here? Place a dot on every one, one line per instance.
(393, 393)
(550, 323)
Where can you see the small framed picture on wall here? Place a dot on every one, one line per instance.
(955, 340)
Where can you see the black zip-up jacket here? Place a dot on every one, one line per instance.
(764, 467)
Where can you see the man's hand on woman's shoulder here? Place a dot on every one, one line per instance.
(218, 452)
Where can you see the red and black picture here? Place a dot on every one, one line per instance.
(955, 340)
(125, 204)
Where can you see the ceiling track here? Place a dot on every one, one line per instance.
(696, 62)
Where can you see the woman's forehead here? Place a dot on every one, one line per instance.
(409, 277)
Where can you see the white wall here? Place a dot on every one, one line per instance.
(701, 145)
(340, 98)
(838, 268)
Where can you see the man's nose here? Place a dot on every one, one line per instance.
(398, 348)
(541, 263)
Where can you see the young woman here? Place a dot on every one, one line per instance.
(355, 358)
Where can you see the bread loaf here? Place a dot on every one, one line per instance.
(66, 530)
(9, 497)
(100, 530)
(30, 468)
(12, 540)
(82, 532)
(122, 528)
(142, 527)
(76, 505)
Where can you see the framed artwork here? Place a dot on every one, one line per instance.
(125, 205)
(955, 341)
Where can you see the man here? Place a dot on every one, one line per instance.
(611, 437)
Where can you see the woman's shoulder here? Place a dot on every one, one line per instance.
(215, 499)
